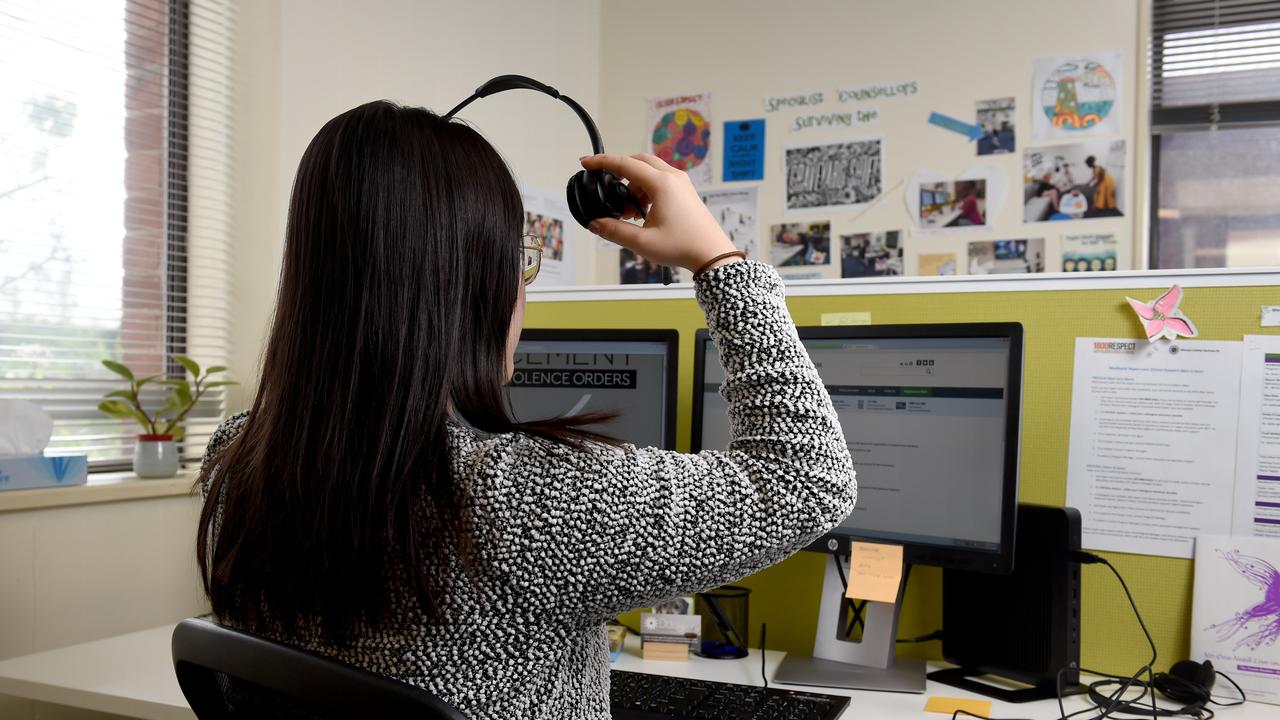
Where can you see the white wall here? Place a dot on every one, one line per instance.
(336, 54)
(74, 574)
(744, 50)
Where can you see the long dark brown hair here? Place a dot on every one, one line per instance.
(399, 280)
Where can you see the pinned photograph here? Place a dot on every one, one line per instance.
(1076, 96)
(838, 175)
(546, 218)
(995, 117)
(636, 270)
(1078, 181)
(1089, 253)
(1006, 257)
(550, 234)
(871, 254)
(680, 133)
(737, 210)
(953, 203)
(796, 244)
(935, 264)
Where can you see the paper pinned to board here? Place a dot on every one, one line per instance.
(875, 572)
(1270, 316)
(1256, 501)
(846, 318)
(1148, 464)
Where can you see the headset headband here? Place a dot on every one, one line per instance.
(503, 83)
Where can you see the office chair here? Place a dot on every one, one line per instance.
(227, 674)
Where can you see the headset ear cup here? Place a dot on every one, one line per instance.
(595, 194)
(576, 196)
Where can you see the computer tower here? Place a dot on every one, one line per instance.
(1024, 626)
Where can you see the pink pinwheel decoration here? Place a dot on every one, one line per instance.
(1162, 318)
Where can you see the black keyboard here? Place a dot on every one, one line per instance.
(639, 696)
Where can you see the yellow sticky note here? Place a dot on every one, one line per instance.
(875, 572)
(948, 706)
(846, 318)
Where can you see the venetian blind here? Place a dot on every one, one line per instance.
(1215, 62)
(114, 206)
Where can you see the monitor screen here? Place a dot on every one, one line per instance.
(631, 372)
(930, 415)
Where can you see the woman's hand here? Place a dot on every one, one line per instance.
(678, 229)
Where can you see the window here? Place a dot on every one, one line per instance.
(1215, 118)
(96, 223)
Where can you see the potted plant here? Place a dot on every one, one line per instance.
(155, 455)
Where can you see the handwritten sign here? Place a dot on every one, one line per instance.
(828, 120)
(875, 572)
(774, 103)
(877, 91)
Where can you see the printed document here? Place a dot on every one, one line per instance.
(1149, 423)
(1257, 492)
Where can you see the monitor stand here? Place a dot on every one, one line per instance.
(839, 662)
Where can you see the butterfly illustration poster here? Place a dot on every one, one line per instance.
(1075, 96)
(1235, 615)
(1149, 464)
(679, 130)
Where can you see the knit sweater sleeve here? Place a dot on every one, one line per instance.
(586, 533)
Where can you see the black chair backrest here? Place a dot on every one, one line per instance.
(225, 673)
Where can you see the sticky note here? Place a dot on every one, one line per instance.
(948, 706)
(875, 572)
(1270, 316)
(846, 318)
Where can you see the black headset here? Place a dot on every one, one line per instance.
(592, 194)
(1187, 682)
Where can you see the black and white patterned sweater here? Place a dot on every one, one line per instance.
(568, 538)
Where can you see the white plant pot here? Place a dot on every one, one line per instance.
(155, 456)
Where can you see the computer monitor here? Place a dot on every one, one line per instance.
(631, 372)
(931, 417)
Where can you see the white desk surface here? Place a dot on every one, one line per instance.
(128, 675)
(133, 675)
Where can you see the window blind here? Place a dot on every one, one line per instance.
(114, 207)
(1214, 62)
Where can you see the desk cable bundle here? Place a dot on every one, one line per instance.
(1187, 682)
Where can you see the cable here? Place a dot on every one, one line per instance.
(935, 635)
(763, 676)
(1115, 703)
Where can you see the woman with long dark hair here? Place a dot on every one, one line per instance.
(378, 503)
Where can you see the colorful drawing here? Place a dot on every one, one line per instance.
(1162, 318)
(682, 138)
(1266, 612)
(680, 133)
(1077, 95)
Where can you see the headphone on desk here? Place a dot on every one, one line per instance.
(1187, 682)
(592, 194)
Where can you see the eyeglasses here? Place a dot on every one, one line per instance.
(531, 249)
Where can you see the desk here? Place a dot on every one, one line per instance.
(127, 674)
(133, 675)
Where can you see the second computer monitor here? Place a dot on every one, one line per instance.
(930, 414)
(570, 372)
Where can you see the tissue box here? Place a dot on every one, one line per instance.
(24, 472)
